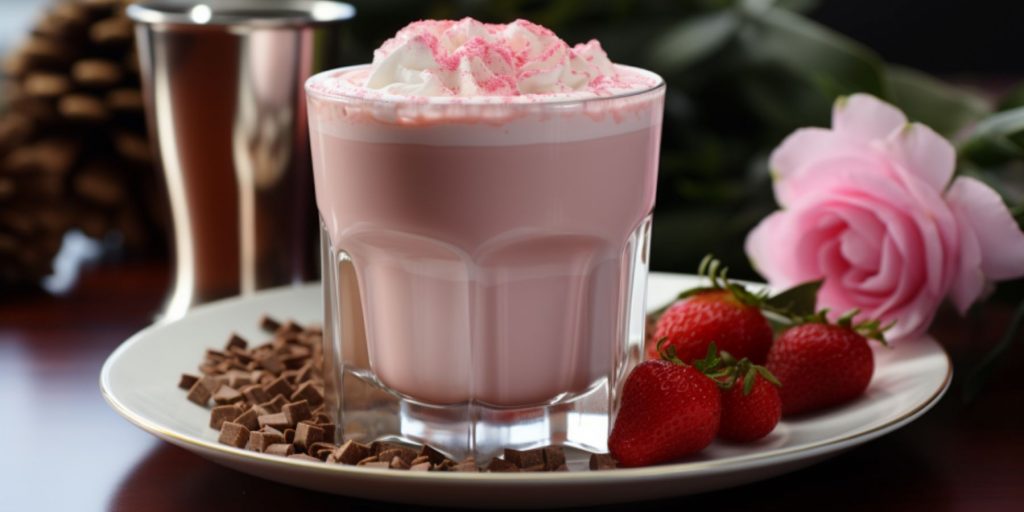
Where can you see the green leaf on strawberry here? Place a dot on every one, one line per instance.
(796, 302)
(799, 300)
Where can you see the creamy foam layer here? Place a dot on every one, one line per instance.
(450, 122)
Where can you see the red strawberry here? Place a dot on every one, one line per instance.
(668, 411)
(714, 316)
(750, 416)
(821, 365)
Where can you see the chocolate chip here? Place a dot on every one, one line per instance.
(227, 395)
(398, 463)
(272, 363)
(255, 394)
(272, 430)
(306, 434)
(236, 341)
(321, 449)
(525, 458)
(277, 420)
(303, 456)
(222, 413)
(214, 355)
(259, 441)
(419, 460)
(268, 324)
(377, 465)
(243, 358)
(279, 386)
(554, 458)
(600, 461)
(233, 434)
(187, 381)
(289, 435)
(239, 379)
(280, 449)
(306, 373)
(249, 418)
(289, 327)
(406, 454)
(330, 431)
(502, 466)
(351, 452)
(296, 411)
(276, 404)
(309, 392)
(257, 376)
(432, 454)
(211, 382)
(199, 393)
(422, 466)
(294, 363)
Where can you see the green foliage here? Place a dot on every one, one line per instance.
(946, 109)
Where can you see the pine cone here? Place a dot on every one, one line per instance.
(74, 152)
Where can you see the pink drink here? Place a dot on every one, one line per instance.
(484, 252)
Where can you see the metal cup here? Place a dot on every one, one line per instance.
(224, 98)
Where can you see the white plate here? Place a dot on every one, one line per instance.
(139, 381)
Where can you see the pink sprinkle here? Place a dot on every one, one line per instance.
(498, 57)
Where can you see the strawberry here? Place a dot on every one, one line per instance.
(750, 412)
(714, 315)
(821, 365)
(728, 314)
(751, 406)
(668, 411)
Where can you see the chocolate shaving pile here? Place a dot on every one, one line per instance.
(270, 399)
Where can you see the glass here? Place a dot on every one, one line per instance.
(223, 81)
(484, 263)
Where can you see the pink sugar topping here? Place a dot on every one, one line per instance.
(468, 58)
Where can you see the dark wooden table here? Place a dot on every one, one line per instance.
(62, 448)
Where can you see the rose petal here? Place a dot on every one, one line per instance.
(803, 148)
(829, 172)
(763, 251)
(913, 320)
(981, 211)
(970, 280)
(934, 225)
(925, 154)
(864, 117)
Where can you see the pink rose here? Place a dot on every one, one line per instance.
(869, 206)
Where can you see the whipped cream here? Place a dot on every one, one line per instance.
(468, 58)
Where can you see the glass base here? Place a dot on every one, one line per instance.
(366, 409)
(371, 412)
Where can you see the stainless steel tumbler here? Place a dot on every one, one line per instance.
(223, 82)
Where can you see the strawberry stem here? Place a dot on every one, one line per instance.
(726, 371)
(668, 353)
